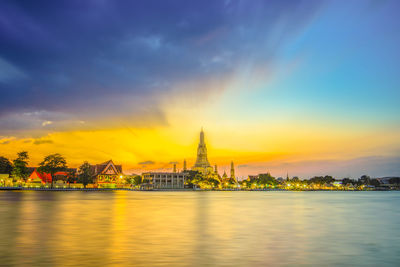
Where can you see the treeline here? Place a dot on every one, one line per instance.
(52, 164)
(19, 169)
(267, 180)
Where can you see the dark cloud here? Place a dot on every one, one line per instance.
(147, 162)
(42, 141)
(96, 58)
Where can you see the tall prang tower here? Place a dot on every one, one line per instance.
(202, 165)
(233, 176)
(232, 171)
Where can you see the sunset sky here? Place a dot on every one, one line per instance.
(300, 87)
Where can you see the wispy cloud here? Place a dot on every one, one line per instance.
(42, 141)
(147, 162)
(46, 123)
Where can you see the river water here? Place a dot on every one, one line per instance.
(123, 228)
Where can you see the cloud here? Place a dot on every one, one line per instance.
(147, 162)
(42, 141)
(173, 162)
(37, 122)
(242, 165)
(4, 140)
(46, 123)
(122, 58)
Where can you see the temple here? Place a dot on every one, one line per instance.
(202, 165)
(37, 177)
(60, 177)
(107, 174)
(233, 172)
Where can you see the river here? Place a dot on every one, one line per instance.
(123, 228)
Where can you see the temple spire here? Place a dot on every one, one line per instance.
(202, 163)
(201, 137)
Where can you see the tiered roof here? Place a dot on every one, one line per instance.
(105, 167)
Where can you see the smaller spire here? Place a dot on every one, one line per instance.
(184, 165)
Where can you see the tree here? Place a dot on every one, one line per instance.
(71, 178)
(5, 165)
(394, 180)
(20, 168)
(213, 182)
(346, 181)
(365, 179)
(327, 179)
(137, 180)
(85, 174)
(374, 182)
(134, 179)
(192, 175)
(266, 179)
(52, 164)
(295, 179)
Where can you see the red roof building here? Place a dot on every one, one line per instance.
(45, 177)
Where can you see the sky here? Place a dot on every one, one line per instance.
(298, 88)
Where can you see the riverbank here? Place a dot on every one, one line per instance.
(170, 190)
(64, 189)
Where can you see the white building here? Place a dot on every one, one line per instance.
(166, 180)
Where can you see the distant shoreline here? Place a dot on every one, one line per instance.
(167, 190)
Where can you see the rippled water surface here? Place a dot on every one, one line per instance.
(199, 228)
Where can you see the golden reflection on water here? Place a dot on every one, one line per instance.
(199, 228)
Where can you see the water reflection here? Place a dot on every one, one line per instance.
(199, 228)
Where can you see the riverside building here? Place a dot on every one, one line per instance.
(166, 180)
(107, 174)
